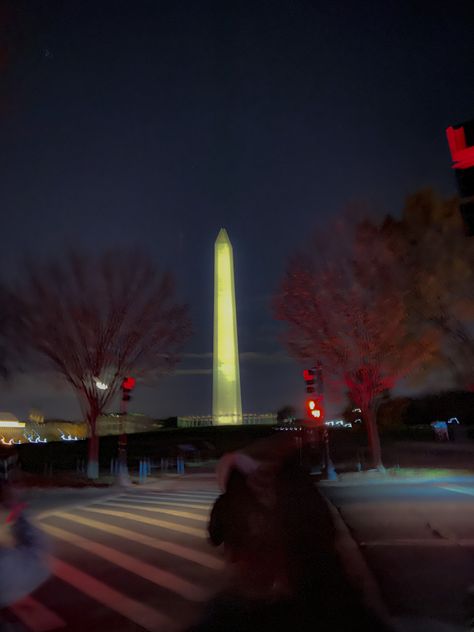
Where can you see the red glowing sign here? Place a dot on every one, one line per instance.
(461, 153)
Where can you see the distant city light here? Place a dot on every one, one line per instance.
(31, 438)
(10, 441)
(12, 424)
(69, 437)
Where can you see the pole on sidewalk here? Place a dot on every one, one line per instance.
(329, 470)
(128, 384)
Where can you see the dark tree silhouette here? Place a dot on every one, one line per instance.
(438, 281)
(100, 318)
(286, 412)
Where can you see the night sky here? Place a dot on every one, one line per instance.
(157, 123)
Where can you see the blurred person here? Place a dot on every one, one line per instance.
(24, 559)
(241, 520)
(280, 541)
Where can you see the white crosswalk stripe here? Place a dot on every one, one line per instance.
(168, 512)
(147, 571)
(139, 613)
(157, 502)
(192, 580)
(178, 550)
(182, 496)
(154, 522)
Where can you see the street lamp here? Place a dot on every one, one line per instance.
(102, 386)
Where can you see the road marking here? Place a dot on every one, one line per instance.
(178, 492)
(151, 501)
(35, 616)
(184, 499)
(427, 542)
(458, 489)
(191, 496)
(153, 574)
(204, 559)
(155, 522)
(434, 542)
(139, 613)
(171, 512)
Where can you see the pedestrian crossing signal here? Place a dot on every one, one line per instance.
(314, 409)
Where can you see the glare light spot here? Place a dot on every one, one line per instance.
(101, 385)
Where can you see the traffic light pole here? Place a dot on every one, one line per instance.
(123, 475)
(315, 411)
(329, 471)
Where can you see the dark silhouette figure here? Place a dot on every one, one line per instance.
(279, 539)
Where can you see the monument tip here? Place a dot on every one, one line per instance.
(223, 236)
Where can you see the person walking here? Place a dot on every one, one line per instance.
(24, 563)
(280, 542)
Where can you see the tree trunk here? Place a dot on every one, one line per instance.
(374, 438)
(93, 452)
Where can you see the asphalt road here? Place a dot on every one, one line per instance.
(418, 540)
(139, 560)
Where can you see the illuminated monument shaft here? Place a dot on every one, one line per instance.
(226, 397)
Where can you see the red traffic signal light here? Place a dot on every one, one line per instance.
(314, 409)
(128, 383)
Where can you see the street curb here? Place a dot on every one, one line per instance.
(395, 481)
(357, 569)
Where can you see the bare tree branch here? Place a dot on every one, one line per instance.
(100, 318)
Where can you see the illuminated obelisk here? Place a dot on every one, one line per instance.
(226, 397)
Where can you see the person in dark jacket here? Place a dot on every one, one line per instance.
(279, 536)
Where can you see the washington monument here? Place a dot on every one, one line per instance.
(226, 397)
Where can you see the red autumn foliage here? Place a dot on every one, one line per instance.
(347, 311)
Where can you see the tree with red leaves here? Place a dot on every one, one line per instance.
(98, 319)
(347, 311)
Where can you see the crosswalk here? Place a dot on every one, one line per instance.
(139, 560)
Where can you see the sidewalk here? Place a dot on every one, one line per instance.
(362, 577)
(401, 476)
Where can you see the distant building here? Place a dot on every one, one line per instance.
(8, 420)
(114, 424)
(36, 416)
(200, 421)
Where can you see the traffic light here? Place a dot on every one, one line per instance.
(314, 409)
(461, 146)
(308, 375)
(128, 385)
